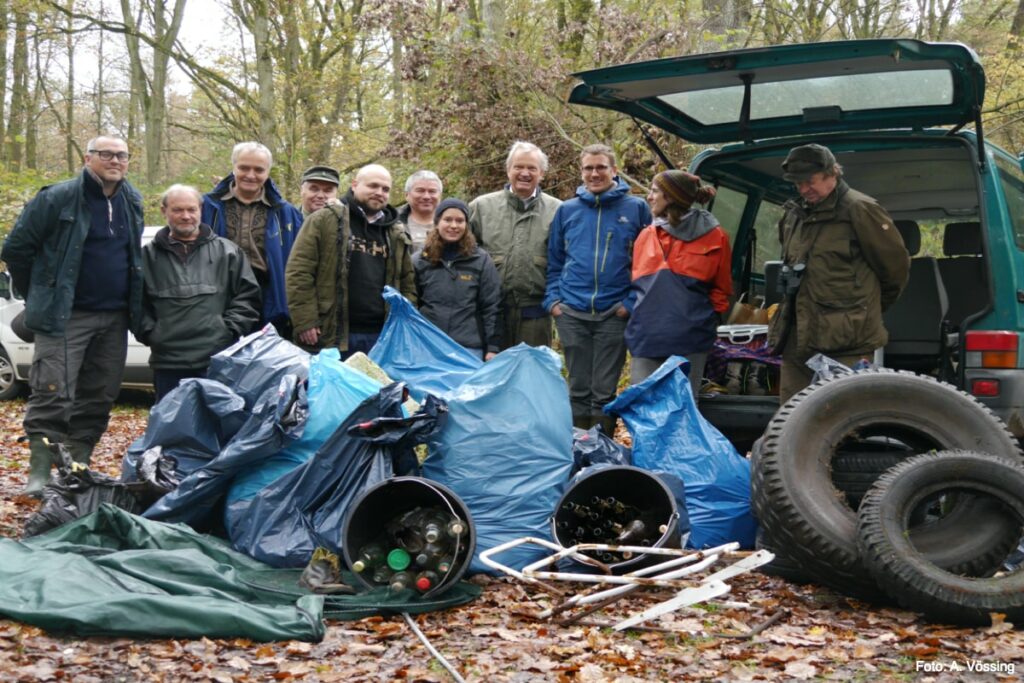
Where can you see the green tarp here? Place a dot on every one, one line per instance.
(115, 573)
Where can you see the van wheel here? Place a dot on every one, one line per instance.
(910, 577)
(10, 387)
(801, 509)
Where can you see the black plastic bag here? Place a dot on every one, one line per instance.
(277, 421)
(77, 491)
(593, 447)
(258, 362)
(288, 519)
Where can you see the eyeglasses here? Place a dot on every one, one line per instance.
(107, 155)
(596, 169)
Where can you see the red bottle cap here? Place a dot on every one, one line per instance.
(423, 584)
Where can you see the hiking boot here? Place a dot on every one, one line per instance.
(39, 464)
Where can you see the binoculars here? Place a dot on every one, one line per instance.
(790, 277)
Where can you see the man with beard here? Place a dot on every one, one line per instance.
(340, 263)
(200, 292)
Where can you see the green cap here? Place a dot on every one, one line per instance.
(398, 559)
(803, 162)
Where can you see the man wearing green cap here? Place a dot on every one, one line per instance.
(844, 263)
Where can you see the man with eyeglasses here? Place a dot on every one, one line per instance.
(248, 209)
(590, 257)
(75, 254)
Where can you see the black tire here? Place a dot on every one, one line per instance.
(857, 465)
(909, 576)
(10, 387)
(802, 511)
(782, 566)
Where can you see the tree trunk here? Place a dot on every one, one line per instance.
(19, 92)
(1017, 27)
(4, 9)
(70, 157)
(264, 74)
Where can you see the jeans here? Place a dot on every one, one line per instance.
(595, 351)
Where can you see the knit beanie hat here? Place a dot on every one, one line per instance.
(450, 203)
(679, 187)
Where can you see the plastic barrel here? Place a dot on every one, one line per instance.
(379, 504)
(630, 486)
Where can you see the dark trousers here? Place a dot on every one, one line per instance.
(76, 377)
(595, 351)
(360, 341)
(165, 380)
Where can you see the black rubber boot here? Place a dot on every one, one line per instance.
(583, 422)
(39, 464)
(81, 452)
(607, 423)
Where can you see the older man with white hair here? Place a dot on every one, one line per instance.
(423, 191)
(200, 293)
(248, 209)
(342, 259)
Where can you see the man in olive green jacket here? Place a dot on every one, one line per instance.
(512, 225)
(337, 301)
(855, 266)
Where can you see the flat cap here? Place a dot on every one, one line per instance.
(803, 162)
(325, 173)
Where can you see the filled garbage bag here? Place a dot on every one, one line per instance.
(412, 349)
(594, 447)
(288, 519)
(333, 391)
(256, 363)
(277, 420)
(76, 491)
(193, 423)
(113, 573)
(670, 434)
(506, 449)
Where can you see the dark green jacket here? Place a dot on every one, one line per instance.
(195, 308)
(44, 251)
(857, 266)
(316, 281)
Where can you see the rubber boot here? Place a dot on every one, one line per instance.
(607, 423)
(583, 422)
(81, 451)
(39, 463)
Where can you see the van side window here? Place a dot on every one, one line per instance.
(728, 206)
(767, 225)
(1012, 181)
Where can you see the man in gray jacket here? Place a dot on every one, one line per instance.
(200, 292)
(512, 225)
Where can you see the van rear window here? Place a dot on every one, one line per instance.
(849, 92)
(1011, 179)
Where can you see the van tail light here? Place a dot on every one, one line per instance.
(991, 349)
(985, 387)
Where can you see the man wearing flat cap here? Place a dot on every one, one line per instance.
(318, 188)
(844, 263)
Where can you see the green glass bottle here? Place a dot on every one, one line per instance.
(426, 580)
(370, 556)
(401, 581)
(382, 575)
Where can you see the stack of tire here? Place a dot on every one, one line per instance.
(888, 485)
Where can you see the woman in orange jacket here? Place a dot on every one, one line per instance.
(681, 279)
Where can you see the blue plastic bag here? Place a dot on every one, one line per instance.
(333, 391)
(670, 434)
(285, 521)
(506, 449)
(412, 349)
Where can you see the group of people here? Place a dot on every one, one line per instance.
(608, 270)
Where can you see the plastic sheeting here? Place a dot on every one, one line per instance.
(113, 573)
(276, 421)
(285, 521)
(506, 449)
(412, 349)
(256, 363)
(333, 391)
(670, 434)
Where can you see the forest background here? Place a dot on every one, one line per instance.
(439, 84)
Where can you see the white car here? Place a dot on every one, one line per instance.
(16, 353)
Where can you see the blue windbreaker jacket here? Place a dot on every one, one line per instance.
(283, 223)
(590, 248)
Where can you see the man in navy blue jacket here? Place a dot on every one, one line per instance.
(247, 208)
(75, 254)
(590, 256)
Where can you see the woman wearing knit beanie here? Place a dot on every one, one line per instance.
(457, 284)
(681, 279)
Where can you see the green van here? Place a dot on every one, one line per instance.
(895, 113)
